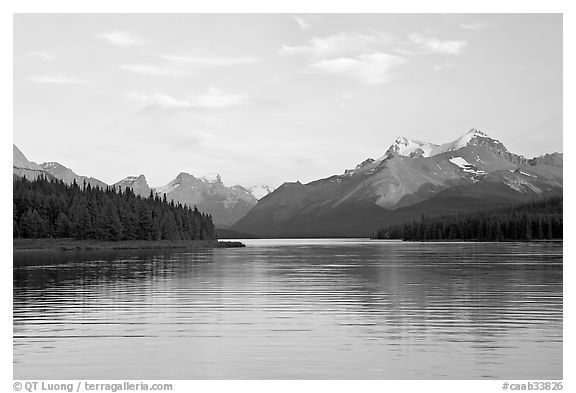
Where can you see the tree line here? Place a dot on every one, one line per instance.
(50, 208)
(536, 220)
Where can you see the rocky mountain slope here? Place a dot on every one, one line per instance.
(23, 167)
(412, 178)
(68, 176)
(226, 204)
(138, 184)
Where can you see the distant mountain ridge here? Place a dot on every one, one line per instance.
(138, 184)
(226, 204)
(59, 171)
(410, 179)
(23, 167)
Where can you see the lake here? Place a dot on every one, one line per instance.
(292, 309)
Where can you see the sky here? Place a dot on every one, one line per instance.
(263, 99)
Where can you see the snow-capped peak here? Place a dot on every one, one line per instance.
(212, 178)
(465, 139)
(403, 146)
(473, 137)
(413, 148)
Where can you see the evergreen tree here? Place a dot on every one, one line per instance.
(63, 225)
(541, 219)
(43, 208)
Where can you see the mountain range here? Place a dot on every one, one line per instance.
(412, 178)
(208, 193)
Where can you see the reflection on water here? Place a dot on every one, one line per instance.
(292, 309)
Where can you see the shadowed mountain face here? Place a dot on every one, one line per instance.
(412, 178)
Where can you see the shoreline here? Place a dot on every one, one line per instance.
(65, 244)
(474, 241)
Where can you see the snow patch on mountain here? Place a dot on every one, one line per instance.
(260, 191)
(459, 161)
(524, 173)
(467, 167)
(51, 165)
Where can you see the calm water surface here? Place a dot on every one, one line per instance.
(292, 309)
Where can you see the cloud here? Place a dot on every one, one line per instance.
(217, 99)
(177, 65)
(473, 26)
(60, 79)
(443, 66)
(158, 100)
(46, 56)
(213, 99)
(148, 69)
(372, 68)
(121, 38)
(434, 45)
(306, 22)
(209, 61)
(338, 45)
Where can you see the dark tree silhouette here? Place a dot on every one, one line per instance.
(50, 208)
(536, 220)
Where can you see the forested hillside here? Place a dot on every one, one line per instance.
(537, 220)
(50, 208)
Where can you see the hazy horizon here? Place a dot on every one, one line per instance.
(269, 98)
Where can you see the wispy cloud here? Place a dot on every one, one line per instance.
(56, 79)
(338, 45)
(44, 55)
(150, 69)
(212, 99)
(373, 57)
(306, 22)
(372, 68)
(158, 100)
(121, 38)
(434, 45)
(208, 61)
(473, 26)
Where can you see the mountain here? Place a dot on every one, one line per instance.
(68, 176)
(138, 184)
(226, 204)
(412, 178)
(260, 191)
(21, 166)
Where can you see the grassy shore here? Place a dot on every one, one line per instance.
(86, 245)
